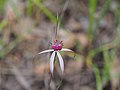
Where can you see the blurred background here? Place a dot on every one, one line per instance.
(91, 28)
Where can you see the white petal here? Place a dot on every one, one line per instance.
(46, 51)
(61, 61)
(65, 49)
(52, 58)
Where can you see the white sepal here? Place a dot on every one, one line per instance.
(52, 58)
(60, 61)
(50, 50)
(65, 49)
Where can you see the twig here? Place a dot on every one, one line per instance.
(59, 84)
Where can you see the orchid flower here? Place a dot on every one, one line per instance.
(57, 47)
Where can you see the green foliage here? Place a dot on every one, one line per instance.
(2, 3)
(92, 9)
(29, 6)
(45, 10)
(109, 56)
(98, 78)
(3, 23)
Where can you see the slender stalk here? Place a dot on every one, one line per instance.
(57, 27)
(60, 16)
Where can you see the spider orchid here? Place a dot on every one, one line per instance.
(56, 48)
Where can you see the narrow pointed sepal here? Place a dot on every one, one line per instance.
(52, 58)
(68, 50)
(61, 61)
(50, 50)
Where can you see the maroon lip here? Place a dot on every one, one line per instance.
(57, 45)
